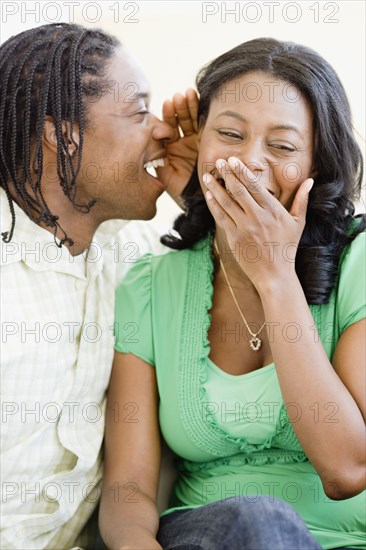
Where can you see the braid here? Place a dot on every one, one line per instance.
(75, 85)
(53, 70)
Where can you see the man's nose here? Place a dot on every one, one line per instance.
(161, 130)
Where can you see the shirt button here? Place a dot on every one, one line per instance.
(78, 284)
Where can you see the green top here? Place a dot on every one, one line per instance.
(232, 433)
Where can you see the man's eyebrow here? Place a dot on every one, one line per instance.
(134, 97)
(238, 116)
(141, 95)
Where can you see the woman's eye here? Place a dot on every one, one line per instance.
(229, 134)
(282, 147)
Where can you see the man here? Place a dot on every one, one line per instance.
(77, 143)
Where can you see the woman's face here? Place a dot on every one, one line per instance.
(267, 124)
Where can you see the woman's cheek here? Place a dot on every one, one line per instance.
(206, 160)
(292, 174)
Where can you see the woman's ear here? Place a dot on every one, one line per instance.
(313, 173)
(199, 135)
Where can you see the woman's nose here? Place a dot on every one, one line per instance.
(253, 156)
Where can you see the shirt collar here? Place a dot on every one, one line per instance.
(36, 246)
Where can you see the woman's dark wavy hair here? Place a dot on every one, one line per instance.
(337, 158)
(55, 70)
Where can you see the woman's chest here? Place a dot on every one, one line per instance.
(230, 340)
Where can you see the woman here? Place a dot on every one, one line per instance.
(255, 327)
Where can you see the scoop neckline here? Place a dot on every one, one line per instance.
(193, 369)
(251, 374)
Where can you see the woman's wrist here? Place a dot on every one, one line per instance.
(281, 284)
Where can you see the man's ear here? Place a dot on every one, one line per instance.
(49, 138)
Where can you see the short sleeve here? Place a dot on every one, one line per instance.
(133, 326)
(351, 297)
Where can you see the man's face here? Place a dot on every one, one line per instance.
(121, 137)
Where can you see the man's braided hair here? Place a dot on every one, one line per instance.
(54, 70)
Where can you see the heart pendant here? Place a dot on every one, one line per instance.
(255, 343)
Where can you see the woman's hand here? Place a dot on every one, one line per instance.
(262, 233)
(181, 114)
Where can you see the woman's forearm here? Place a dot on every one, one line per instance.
(323, 413)
(128, 518)
(128, 514)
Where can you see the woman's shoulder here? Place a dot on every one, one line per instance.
(353, 258)
(351, 288)
(165, 261)
(175, 258)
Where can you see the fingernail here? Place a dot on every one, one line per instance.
(310, 185)
(220, 163)
(206, 178)
(234, 161)
(208, 195)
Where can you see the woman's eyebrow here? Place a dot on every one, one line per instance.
(240, 117)
(287, 127)
(232, 114)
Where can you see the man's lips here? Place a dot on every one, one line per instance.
(155, 163)
(150, 168)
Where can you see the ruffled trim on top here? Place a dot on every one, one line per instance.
(270, 456)
(199, 424)
(284, 436)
